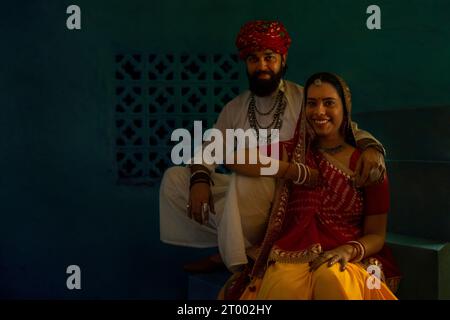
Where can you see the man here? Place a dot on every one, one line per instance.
(241, 202)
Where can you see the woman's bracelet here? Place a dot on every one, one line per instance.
(360, 250)
(308, 181)
(302, 173)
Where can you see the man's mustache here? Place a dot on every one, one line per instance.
(258, 73)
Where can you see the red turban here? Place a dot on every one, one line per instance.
(261, 35)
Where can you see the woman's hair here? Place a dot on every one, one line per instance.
(334, 81)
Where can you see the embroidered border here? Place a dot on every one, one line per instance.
(303, 256)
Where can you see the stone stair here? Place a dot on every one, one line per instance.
(418, 163)
(425, 267)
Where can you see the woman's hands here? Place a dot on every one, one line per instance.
(292, 171)
(342, 254)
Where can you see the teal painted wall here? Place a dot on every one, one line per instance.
(59, 200)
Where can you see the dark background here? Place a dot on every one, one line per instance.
(60, 200)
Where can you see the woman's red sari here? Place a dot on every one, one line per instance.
(330, 215)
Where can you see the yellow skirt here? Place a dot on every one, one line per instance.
(288, 281)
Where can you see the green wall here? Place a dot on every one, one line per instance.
(59, 200)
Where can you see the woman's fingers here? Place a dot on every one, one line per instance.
(343, 263)
(316, 263)
(333, 260)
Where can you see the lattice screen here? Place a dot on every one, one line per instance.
(157, 93)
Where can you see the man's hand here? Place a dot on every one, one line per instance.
(370, 168)
(200, 203)
(342, 254)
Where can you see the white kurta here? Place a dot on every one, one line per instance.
(242, 203)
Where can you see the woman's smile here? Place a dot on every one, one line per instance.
(324, 110)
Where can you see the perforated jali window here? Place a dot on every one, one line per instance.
(157, 93)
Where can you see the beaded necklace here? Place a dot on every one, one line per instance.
(279, 106)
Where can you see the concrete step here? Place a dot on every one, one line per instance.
(420, 204)
(425, 266)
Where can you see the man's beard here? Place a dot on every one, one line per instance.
(264, 87)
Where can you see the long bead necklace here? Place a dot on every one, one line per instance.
(276, 102)
(277, 120)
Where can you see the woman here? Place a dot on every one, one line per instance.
(324, 240)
